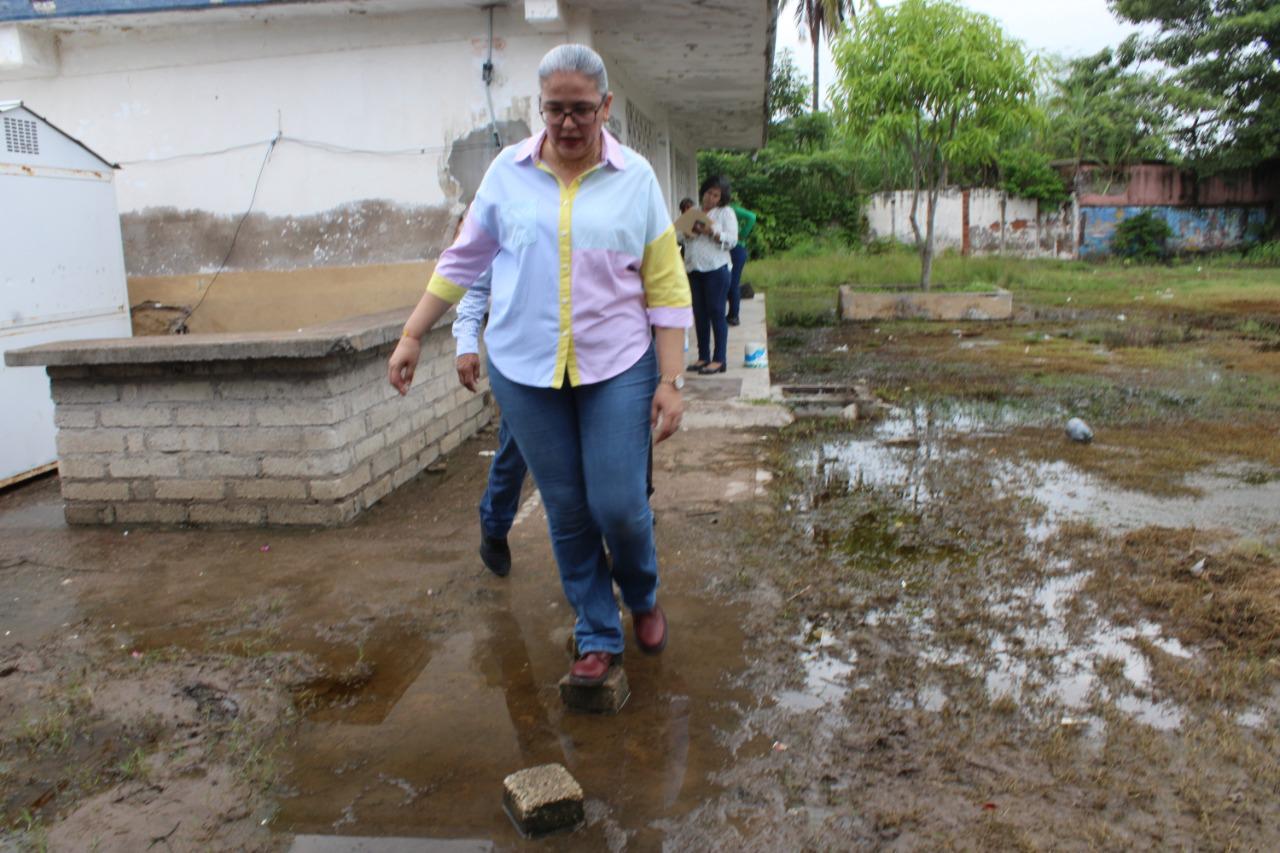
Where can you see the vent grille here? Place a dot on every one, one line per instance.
(20, 136)
(642, 133)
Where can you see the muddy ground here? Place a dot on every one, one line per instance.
(946, 627)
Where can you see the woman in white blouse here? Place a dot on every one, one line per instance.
(706, 257)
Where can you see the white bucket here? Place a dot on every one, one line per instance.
(754, 354)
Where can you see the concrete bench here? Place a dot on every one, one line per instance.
(268, 428)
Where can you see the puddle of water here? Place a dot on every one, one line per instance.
(826, 673)
(1067, 493)
(898, 457)
(426, 756)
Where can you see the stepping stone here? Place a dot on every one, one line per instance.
(608, 698)
(543, 799)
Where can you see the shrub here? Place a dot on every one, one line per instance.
(1142, 238)
(1263, 254)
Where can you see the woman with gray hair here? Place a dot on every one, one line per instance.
(585, 262)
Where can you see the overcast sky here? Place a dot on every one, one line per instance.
(1076, 28)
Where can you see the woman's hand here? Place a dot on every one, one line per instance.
(404, 361)
(666, 411)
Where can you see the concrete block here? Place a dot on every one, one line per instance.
(172, 391)
(209, 465)
(608, 698)
(312, 413)
(328, 464)
(272, 388)
(314, 514)
(859, 305)
(145, 466)
(226, 514)
(185, 439)
(275, 490)
(82, 391)
(142, 490)
(250, 440)
(88, 513)
(450, 441)
(135, 443)
(155, 415)
(377, 491)
(151, 512)
(90, 441)
(75, 417)
(341, 487)
(82, 467)
(366, 447)
(103, 490)
(543, 799)
(385, 461)
(209, 490)
(215, 413)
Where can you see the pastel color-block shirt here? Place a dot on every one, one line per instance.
(580, 271)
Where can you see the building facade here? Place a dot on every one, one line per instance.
(289, 163)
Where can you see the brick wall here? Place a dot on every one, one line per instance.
(253, 441)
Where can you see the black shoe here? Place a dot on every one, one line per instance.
(708, 370)
(732, 321)
(496, 554)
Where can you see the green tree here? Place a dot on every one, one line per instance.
(938, 81)
(1228, 51)
(1100, 110)
(788, 90)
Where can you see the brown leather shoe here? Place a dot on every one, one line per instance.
(590, 669)
(651, 630)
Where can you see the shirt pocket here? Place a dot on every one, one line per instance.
(519, 221)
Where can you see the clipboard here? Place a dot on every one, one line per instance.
(684, 225)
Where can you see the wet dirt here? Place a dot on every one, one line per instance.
(369, 681)
(950, 627)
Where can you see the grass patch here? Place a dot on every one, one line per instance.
(801, 282)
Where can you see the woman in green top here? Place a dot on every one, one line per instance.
(738, 255)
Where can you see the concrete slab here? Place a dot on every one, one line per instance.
(543, 799)
(858, 305)
(607, 698)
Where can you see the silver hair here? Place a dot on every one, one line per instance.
(576, 58)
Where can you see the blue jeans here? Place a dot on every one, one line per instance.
(502, 495)
(586, 447)
(738, 255)
(710, 289)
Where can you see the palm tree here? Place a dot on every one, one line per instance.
(822, 18)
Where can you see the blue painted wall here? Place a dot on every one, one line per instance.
(1195, 229)
(28, 10)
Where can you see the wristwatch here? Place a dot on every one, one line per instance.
(676, 382)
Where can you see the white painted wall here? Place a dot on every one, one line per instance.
(61, 276)
(997, 223)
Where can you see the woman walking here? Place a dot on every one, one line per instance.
(706, 255)
(585, 262)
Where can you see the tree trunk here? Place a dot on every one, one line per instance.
(915, 205)
(813, 34)
(926, 251)
(926, 247)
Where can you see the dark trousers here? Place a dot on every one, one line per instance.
(739, 257)
(710, 290)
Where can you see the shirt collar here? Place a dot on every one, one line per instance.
(610, 150)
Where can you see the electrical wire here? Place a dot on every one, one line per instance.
(332, 148)
(486, 75)
(183, 328)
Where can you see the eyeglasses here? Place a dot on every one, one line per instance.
(555, 114)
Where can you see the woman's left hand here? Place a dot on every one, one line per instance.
(666, 412)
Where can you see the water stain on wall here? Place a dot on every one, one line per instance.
(166, 241)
